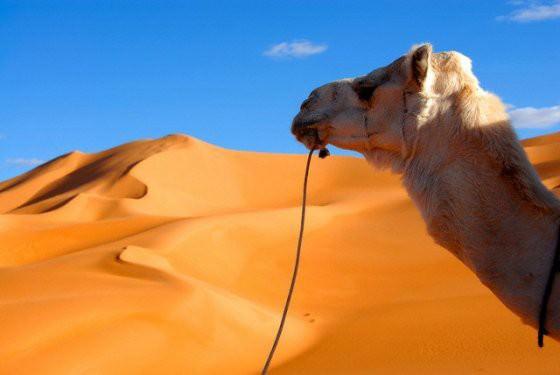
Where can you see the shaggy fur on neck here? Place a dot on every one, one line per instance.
(476, 189)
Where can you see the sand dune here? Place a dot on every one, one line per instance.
(173, 256)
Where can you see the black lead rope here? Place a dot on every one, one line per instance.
(296, 267)
(547, 292)
(323, 153)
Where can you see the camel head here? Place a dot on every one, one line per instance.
(367, 114)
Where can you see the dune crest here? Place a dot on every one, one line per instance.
(174, 256)
(146, 258)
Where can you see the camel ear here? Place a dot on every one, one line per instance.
(420, 64)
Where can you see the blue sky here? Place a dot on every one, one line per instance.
(89, 75)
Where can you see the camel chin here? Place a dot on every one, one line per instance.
(349, 143)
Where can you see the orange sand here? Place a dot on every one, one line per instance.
(174, 256)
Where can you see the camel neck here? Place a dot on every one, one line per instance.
(477, 213)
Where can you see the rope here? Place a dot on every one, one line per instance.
(296, 266)
(546, 295)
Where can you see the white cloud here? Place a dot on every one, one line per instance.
(296, 49)
(23, 162)
(534, 11)
(535, 118)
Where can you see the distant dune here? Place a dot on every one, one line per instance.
(173, 256)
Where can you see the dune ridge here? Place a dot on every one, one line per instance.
(174, 256)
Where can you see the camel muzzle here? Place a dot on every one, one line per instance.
(306, 130)
(307, 133)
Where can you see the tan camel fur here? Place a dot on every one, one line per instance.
(426, 117)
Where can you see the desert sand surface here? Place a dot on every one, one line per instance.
(173, 256)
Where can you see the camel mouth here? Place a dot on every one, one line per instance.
(312, 134)
(311, 137)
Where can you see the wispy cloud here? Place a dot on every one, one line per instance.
(296, 49)
(535, 118)
(23, 162)
(534, 11)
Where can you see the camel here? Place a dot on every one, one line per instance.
(425, 116)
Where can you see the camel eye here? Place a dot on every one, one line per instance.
(365, 91)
